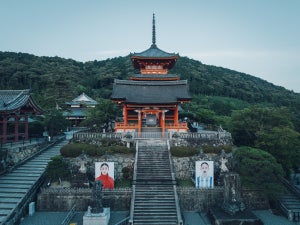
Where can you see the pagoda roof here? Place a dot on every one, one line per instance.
(150, 92)
(82, 99)
(154, 77)
(12, 101)
(154, 53)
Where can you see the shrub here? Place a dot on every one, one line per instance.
(217, 149)
(74, 150)
(57, 168)
(182, 151)
(127, 172)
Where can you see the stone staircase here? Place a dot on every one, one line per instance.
(289, 202)
(155, 197)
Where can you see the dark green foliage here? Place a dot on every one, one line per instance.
(104, 112)
(57, 80)
(284, 144)
(55, 122)
(75, 149)
(123, 183)
(185, 183)
(36, 128)
(182, 151)
(258, 169)
(127, 172)
(249, 123)
(57, 168)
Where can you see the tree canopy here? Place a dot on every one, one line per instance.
(258, 169)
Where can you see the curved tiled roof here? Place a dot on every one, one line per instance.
(83, 98)
(14, 100)
(154, 52)
(150, 92)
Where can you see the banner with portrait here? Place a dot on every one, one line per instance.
(104, 171)
(204, 174)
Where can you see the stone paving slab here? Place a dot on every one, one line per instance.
(269, 218)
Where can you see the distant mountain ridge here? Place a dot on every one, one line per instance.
(57, 80)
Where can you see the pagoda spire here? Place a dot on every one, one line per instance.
(153, 32)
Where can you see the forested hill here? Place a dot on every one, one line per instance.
(57, 80)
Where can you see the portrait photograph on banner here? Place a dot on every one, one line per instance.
(204, 174)
(104, 171)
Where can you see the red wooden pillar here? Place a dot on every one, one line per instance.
(4, 130)
(125, 115)
(16, 128)
(26, 127)
(176, 116)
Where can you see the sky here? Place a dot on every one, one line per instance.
(257, 37)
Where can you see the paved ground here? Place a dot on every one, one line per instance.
(190, 218)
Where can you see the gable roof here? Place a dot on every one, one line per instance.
(12, 101)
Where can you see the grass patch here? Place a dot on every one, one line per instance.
(124, 183)
(185, 183)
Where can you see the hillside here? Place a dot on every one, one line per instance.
(57, 80)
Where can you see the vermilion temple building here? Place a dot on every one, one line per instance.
(152, 97)
(15, 108)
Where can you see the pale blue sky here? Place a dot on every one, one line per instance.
(258, 37)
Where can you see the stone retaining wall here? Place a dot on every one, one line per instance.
(63, 199)
(190, 199)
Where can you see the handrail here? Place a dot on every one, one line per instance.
(69, 216)
(133, 183)
(123, 221)
(179, 218)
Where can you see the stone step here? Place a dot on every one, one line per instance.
(10, 181)
(9, 199)
(13, 190)
(4, 205)
(23, 186)
(151, 220)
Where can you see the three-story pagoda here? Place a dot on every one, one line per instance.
(151, 99)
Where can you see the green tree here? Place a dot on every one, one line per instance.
(258, 169)
(57, 168)
(102, 114)
(249, 123)
(284, 144)
(55, 122)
